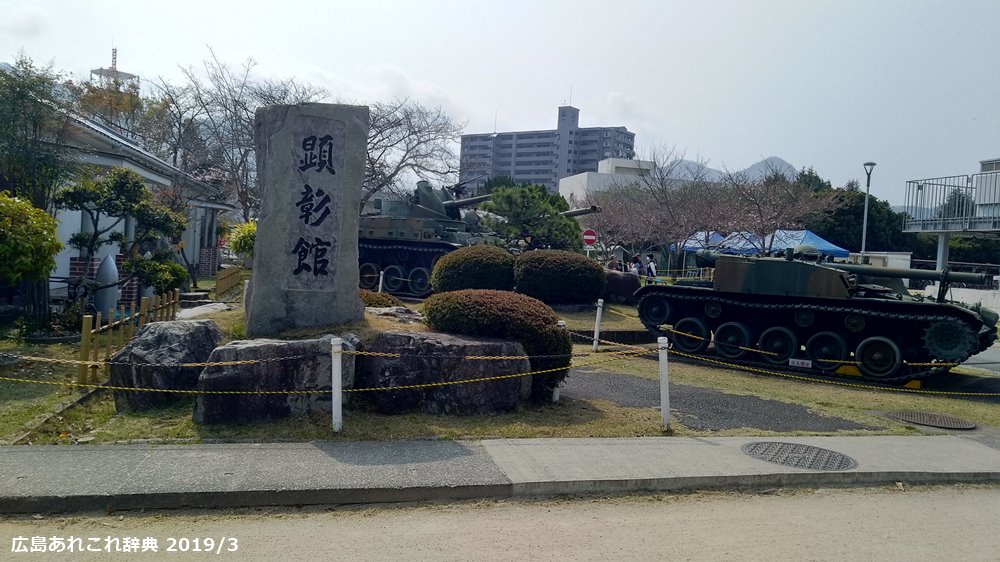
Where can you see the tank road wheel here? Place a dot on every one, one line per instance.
(393, 279)
(713, 309)
(368, 276)
(854, 323)
(878, 357)
(826, 350)
(420, 281)
(690, 335)
(654, 310)
(804, 318)
(731, 339)
(778, 345)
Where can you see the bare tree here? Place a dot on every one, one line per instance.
(174, 125)
(764, 205)
(228, 100)
(406, 137)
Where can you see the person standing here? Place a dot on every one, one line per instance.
(613, 263)
(650, 268)
(635, 266)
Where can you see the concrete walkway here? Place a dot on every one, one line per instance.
(117, 477)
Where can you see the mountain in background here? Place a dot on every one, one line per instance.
(757, 171)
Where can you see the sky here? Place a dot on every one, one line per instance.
(912, 85)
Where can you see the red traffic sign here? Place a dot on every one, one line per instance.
(589, 237)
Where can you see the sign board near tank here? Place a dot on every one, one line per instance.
(589, 237)
(310, 162)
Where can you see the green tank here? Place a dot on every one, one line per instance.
(804, 313)
(404, 239)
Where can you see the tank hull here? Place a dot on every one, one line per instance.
(888, 339)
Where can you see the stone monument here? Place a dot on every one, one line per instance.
(310, 164)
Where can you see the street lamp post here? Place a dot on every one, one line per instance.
(869, 166)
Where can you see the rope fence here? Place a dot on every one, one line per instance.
(96, 352)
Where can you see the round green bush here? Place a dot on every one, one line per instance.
(378, 300)
(474, 267)
(559, 277)
(510, 316)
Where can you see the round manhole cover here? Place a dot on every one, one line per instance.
(799, 456)
(943, 421)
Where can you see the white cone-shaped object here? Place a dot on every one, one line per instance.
(106, 299)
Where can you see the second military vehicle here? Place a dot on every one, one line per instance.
(821, 316)
(404, 239)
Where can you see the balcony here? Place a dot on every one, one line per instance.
(953, 204)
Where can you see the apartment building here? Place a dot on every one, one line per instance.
(545, 156)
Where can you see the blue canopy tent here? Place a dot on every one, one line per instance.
(745, 243)
(792, 238)
(741, 243)
(702, 240)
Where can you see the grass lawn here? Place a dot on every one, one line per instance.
(22, 403)
(98, 422)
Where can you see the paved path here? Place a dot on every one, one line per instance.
(109, 477)
(700, 408)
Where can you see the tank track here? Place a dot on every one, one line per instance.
(387, 254)
(908, 372)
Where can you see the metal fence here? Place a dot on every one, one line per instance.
(953, 203)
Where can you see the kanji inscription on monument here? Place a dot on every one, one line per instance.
(310, 164)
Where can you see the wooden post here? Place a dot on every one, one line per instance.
(110, 341)
(176, 304)
(143, 311)
(96, 347)
(121, 327)
(131, 320)
(81, 372)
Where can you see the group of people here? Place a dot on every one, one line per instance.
(635, 265)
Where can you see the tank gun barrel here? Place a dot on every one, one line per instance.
(467, 201)
(580, 212)
(707, 258)
(923, 274)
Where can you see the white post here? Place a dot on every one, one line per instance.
(597, 323)
(661, 344)
(381, 276)
(555, 391)
(337, 383)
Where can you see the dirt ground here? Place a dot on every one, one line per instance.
(900, 523)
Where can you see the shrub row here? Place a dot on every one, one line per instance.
(552, 276)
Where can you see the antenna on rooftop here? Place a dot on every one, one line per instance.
(495, 113)
(570, 94)
(112, 75)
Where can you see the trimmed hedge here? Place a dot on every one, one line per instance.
(510, 316)
(378, 300)
(474, 267)
(559, 277)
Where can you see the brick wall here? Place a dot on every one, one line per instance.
(208, 261)
(81, 267)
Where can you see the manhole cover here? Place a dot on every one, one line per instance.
(799, 456)
(943, 421)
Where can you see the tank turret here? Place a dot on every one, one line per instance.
(406, 238)
(809, 313)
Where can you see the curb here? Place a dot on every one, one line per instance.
(527, 490)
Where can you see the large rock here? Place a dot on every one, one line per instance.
(149, 359)
(307, 368)
(311, 162)
(431, 357)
